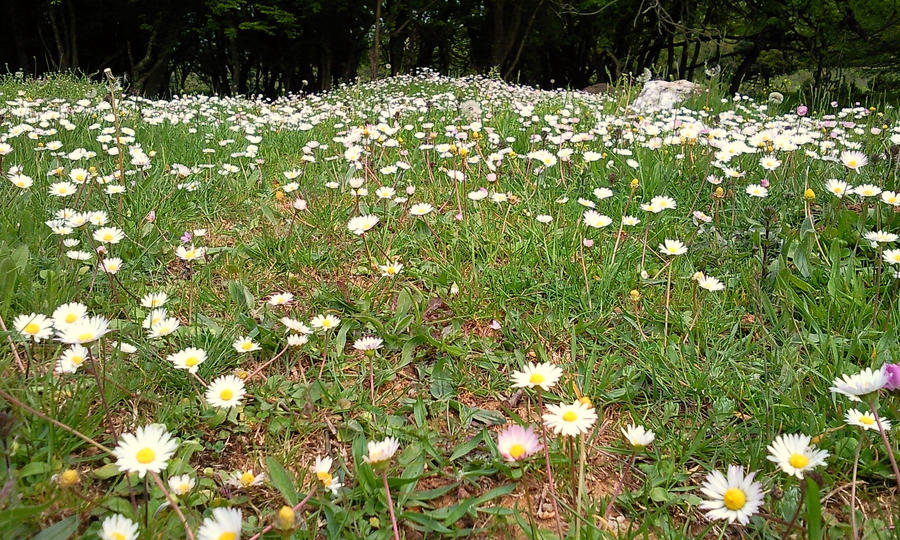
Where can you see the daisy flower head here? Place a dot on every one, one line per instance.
(516, 443)
(544, 218)
(865, 420)
(118, 527)
(732, 498)
(672, 247)
(109, 235)
(182, 484)
(794, 455)
(154, 300)
(146, 450)
(163, 327)
(769, 163)
(854, 160)
(155, 315)
(863, 383)
(189, 359)
(71, 359)
(381, 452)
(891, 256)
(245, 479)
(224, 524)
(245, 344)
(281, 299)
(662, 202)
(111, 265)
(838, 188)
(295, 325)
(595, 219)
(190, 253)
(34, 326)
(390, 269)
(630, 221)
(880, 237)
(420, 209)
(68, 314)
(322, 470)
(757, 190)
(867, 190)
(368, 344)
(297, 340)
(86, 330)
(637, 436)
(362, 224)
(710, 283)
(543, 375)
(570, 420)
(325, 322)
(225, 391)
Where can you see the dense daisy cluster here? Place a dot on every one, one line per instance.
(423, 161)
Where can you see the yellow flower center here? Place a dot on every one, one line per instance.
(68, 477)
(536, 378)
(145, 456)
(326, 324)
(227, 535)
(225, 395)
(798, 461)
(851, 163)
(183, 487)
(247, 345)
(734, 499)
(391, 270)
(247, 477)
(191, 361)
(32, 328)
(516, 451)
(324, 477)
(71, 317)
(118, 536)
(867, 420)
(77, 360)
(189, 254)
(108, 237)
(86, 336)
(569, 416)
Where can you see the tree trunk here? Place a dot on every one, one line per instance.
(376, 42)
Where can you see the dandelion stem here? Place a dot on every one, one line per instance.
(173, 504)
(390, 504)
(102, 391)
(264, 366)
(549, 466)
(8, 397)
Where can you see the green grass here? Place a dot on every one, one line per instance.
(717, 381)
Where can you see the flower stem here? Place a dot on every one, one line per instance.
(619, 485)
(173, 504)
(549, 467)
(390, 504)
(887, 443)
(862, 439)
(581, 459)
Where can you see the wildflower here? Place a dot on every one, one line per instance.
(322, 470)
(880, 237)
(756, 190)
(809, 195)
(420, 209)
(154, 300)
(516, 443)
(544, 218)
(854, 160)
(368, 344)
(381, 452)
(630, 221)
(244, 344)
(795, 455)
(225, 524)
(280, 299)
(295, 340)
(595, 219)
(182, 484)
(769, 163)
(225, 391)
(734, 498)
(837, 187)
(891, 256)
(111, 265)
(118, 527)
(638, 437)
(390, 269)
(189, 254)
(892, 376)
(86, 330)
(570, 420)
(71, 359)
(295, 325)
(865, 420)
(362, 224)
(245, 479)
(34, 326)
(325, 322)
(67, 478)
(62, 189)
(109, 235)
(661, 202)
(867, 190)
(672, 247)
(710, 283)
(863, 383)
(385, 192)
(543, 375)
(147, 450)
(189, 359)
(285, 519)
(163, 327)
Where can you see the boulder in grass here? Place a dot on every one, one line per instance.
(658, 95)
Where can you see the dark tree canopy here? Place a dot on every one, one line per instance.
(277, 46)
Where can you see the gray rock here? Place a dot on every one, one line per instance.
(657, 95)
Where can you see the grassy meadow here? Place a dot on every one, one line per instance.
(188, 288)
